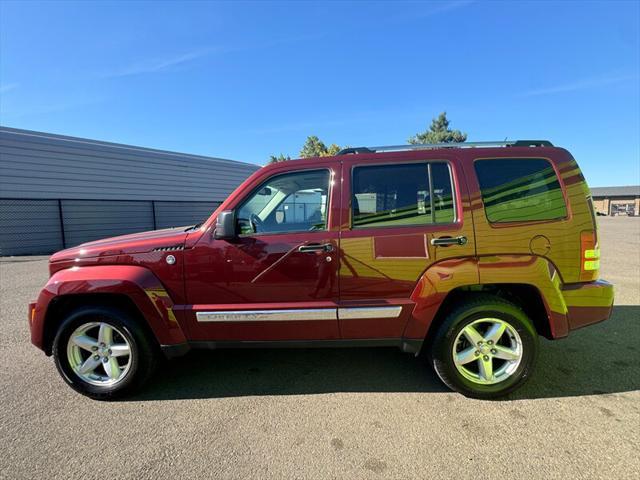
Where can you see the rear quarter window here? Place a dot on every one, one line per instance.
(520, 190)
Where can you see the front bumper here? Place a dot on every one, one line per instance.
(32, 316)
(588, 303)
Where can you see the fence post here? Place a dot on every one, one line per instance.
(60, 216)
(153, 208)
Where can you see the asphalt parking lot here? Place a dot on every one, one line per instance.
(362, 413)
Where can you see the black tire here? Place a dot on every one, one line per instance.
(475, 308)
(143, 356)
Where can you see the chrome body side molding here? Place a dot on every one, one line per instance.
(355, 313)
(297, 315)
(268, 315)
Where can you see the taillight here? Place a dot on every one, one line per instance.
(589, 256)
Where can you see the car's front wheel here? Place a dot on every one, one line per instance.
(485, 348)
(103, 352)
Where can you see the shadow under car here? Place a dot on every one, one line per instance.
(600, 359)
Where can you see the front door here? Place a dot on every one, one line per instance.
(401, 216)
(278, 279)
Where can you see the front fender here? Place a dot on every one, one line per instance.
(137, 283)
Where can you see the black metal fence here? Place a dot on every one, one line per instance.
(43, 226)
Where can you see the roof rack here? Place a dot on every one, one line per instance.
(424, 146)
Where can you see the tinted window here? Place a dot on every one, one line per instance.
(522, 189)
(397, 195)
(292, 202)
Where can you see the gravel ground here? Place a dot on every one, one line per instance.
(362, 413)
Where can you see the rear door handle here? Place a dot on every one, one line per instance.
(446, 241)
(316, 247)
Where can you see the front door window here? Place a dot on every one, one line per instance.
(295, 202)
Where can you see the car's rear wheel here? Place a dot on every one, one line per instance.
(103, 352)
(485, 348)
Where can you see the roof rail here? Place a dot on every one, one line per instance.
(424, 146)
(346, 151)
(533, 143)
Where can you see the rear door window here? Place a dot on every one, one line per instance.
(520, 190)
(402, 195)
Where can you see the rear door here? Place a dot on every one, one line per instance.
(395, 206)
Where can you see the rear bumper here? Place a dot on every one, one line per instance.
(588, 303)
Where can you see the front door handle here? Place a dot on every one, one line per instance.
(446, 241)
(316, 247)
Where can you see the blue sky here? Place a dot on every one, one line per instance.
(246, 80)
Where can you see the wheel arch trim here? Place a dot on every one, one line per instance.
(138, 284)
(448, 277)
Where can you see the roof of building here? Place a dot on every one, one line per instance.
(43, 137)
(625, 191)
(38, 165)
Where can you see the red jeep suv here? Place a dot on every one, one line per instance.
(466, 252)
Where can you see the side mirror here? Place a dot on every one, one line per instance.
(225, 226)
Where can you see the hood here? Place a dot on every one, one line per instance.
(126, 244)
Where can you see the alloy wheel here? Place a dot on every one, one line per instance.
(99, 353)
(487, 351)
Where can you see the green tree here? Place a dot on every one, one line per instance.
(439, 132)
(279, 158)
(313, 147)
(332, 150)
